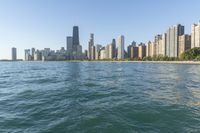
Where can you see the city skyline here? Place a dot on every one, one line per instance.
(18, 31)
(172, 44)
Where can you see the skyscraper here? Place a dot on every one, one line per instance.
(109, 51)
(129, 51)
(114, 49)
(97, 51)
(28, 56)
(195, 35)
(32, 53)
(134, 52)
(70, 45)
(14, 54)
(121, 41)
(184, 43)
(93, 52)
(141, 50)
(173, 34)
(76, 36)
(90, 47)
(149, 49)
(158, 45)
(164, 42)
(133, 44)
(37, 55)
(74, 49)
(76, 43)
(79, 54)
(102, 53)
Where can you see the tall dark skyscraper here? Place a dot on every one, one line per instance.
(114, 48)
(74, 49)
(75, 38)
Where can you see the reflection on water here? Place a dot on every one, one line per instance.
(177, 84)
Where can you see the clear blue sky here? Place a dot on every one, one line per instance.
(46, 23)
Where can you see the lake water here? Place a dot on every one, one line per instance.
(99, 97)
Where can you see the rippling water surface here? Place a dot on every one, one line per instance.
(101, 97)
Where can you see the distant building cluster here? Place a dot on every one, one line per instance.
(74, 49)
(72, 52)
(45, 55)
(172, 43)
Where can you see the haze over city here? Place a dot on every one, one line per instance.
(45, 24)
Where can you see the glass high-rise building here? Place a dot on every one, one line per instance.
(114, 49)
(75, 37)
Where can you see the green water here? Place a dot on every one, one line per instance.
(97, 97)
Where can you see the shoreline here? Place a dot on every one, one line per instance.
(95, 61)
(154, 62)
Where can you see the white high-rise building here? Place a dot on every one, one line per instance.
(149, 49)
(91, 48)
(163, 43)
(172, 42)
(195, 35)
(14, 54)
(121, 42)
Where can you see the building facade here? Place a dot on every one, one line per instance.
(149, 49)
(195, 37)
(75, 38)
(14, 54)
(102, 54)
(114, 55)
(141, 51)
(70, 46)
(163, 44)
(97, 51)
(172, 42)
(38, 55)
(27, 56)
(184, 43)
(74, 49)
(92, 52)
(134, 52)
(90, 47)
(158, 45)
(121, 42)
(133, 44)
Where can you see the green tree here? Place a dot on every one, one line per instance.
(191, 54)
